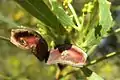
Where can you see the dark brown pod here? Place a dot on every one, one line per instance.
(30, 40)
(67, 54)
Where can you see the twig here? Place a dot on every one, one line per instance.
(102, 58)
(4, 38)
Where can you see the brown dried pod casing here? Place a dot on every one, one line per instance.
(67, 54)
(30, 40)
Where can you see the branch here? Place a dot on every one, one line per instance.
(102, 58)
(4, 38)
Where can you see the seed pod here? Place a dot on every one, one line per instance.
(30, 40)
(67, 54)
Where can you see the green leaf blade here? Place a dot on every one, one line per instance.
(39, 10)
(105, 18)
(64, 19)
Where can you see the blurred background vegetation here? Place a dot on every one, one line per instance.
(17, 64)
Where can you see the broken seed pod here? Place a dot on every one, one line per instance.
(30, 39)
(67, 54)
(64, 54)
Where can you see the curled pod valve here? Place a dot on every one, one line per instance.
(67, 54)
(29, 39)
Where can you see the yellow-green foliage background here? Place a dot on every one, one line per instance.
(18, 64)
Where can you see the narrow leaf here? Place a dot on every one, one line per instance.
(61, 15)
(105, 18)
(39, 10)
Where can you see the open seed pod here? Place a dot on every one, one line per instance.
(67, 54)
(30, 39)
